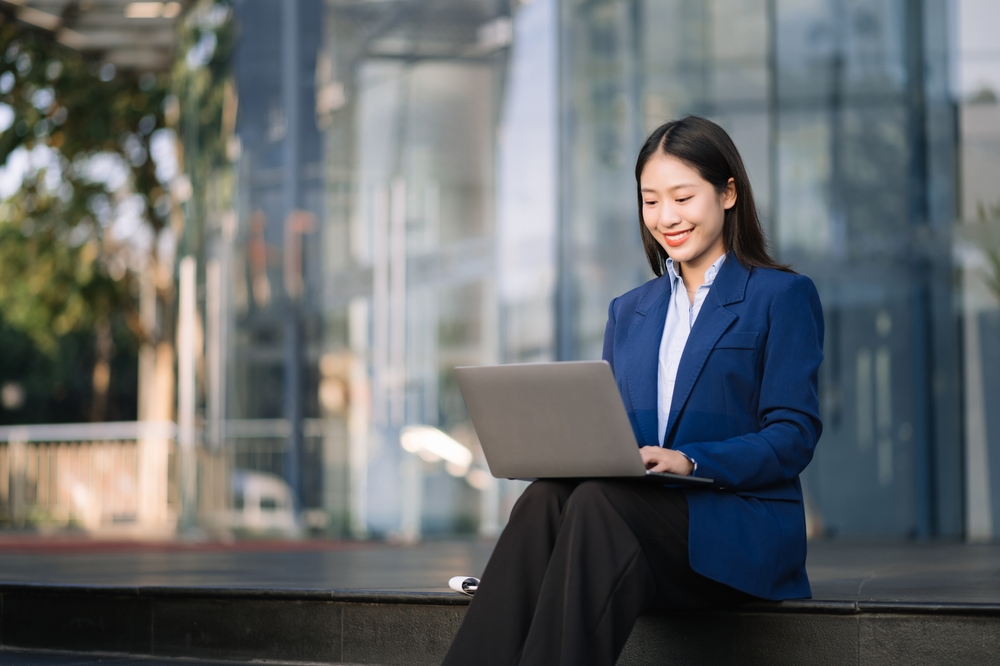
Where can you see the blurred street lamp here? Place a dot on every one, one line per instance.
(12, 395)
(432, 445)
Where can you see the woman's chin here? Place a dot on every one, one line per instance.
(681, 255)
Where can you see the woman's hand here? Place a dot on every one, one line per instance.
(658, 459)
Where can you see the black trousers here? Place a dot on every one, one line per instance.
(575, 566)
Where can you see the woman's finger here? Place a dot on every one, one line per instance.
(661, 466)
(655, 458)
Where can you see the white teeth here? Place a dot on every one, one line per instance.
(679, 236)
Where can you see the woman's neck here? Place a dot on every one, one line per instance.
(693, 272)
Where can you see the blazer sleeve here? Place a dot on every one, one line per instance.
(788, 407)
(608, 354)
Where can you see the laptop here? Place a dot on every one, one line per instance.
(555, 420)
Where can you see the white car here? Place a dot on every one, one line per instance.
(262, 505)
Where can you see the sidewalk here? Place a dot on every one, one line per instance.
(36, 658)
(339, 602)
(282, 565)
(935, 573)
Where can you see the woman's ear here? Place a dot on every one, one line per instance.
(729, 195)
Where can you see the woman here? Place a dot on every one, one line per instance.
(716, 360)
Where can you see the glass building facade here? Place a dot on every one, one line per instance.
(408, 186)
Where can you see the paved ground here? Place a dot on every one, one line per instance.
(912, 573)
(321, 565)
(948, 573)
(840, 571)
(32, 658)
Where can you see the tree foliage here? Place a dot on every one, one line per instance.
(54, 389)
(61, 270)
(78, 134)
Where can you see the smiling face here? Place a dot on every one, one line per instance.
(684, 213)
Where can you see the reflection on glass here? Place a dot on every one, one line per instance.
(469, 167)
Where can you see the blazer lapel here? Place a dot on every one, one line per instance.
(644, 336)
(713, 320)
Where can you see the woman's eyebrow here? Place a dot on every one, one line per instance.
(669, 189)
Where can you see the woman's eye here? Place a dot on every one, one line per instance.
(650, 203)
(682, 199)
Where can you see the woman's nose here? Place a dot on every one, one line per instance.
(668, 215)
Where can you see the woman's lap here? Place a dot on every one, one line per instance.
(657, 517)
(576, 564)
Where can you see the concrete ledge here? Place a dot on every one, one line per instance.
(380, 627)
(278, 594)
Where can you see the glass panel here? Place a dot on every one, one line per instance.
(977, 87)
(854, 212)
(423, 185)
(411, 253)
(851, 177)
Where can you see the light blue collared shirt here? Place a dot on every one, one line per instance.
(681, 315)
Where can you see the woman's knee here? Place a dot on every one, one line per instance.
(593, 515)
(617, 497)
(591, 494)
(544, 492)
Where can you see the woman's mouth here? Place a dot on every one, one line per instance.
(674, 240)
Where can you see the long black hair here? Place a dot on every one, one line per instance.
(707, 148)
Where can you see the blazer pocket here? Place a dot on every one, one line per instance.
(738, 340)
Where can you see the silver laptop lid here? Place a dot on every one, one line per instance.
(545, 420)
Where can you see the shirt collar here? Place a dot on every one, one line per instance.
(710, 273)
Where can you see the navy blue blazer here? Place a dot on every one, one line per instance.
(745, 407)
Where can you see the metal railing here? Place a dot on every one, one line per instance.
(92, 475)
(125, 476)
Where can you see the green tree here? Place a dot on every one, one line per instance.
(84, 130)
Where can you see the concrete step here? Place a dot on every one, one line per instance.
(9, 657)
(379, 627)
